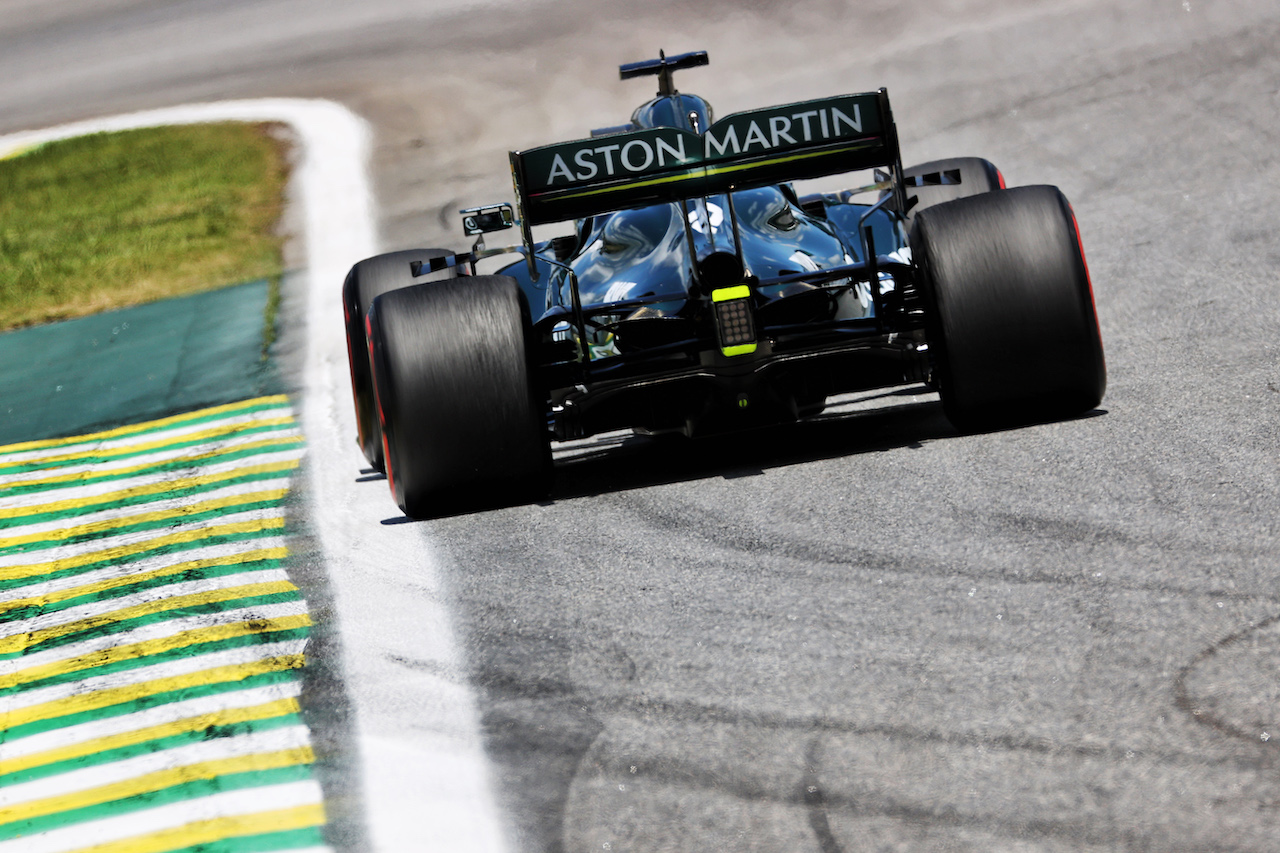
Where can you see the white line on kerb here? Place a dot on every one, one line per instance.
(424, 775)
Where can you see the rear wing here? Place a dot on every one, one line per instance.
(809, 139)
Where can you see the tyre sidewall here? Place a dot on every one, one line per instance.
(367, 280)
(1012, 312)
(462, 418)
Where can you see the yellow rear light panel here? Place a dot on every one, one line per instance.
(735, 325)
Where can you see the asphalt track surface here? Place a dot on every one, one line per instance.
(867, 633)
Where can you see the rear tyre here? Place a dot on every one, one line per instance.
(940, 181)
(1010, 308)
(365, 282)
(463, 423)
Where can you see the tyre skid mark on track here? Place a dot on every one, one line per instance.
(861, 802)
(1186, 700)
(690, 712)
(152, 639)
(781, 551)
(815, 800)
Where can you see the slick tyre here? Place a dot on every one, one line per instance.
(1011, 315)
(365, 282)
(940, 181)
(462, 421)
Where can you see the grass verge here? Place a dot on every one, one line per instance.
(117, 219)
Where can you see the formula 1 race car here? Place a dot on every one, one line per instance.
(700, 292)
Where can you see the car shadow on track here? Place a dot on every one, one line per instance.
(619, 462)
(634, 462)
(631, 461)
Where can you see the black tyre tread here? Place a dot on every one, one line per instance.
(366, 281)
(976, 175)
(462, 421)
(1012, 316)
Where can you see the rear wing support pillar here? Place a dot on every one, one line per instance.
(526, 232)
(891, 141)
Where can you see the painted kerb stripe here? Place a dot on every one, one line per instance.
(143, 569)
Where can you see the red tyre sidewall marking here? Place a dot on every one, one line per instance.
(1075, 226)
(382, 417)
(351, 367)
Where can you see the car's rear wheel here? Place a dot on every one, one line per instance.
(940, 181)
(462, 419)
(1011, 315)
(366, 281)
